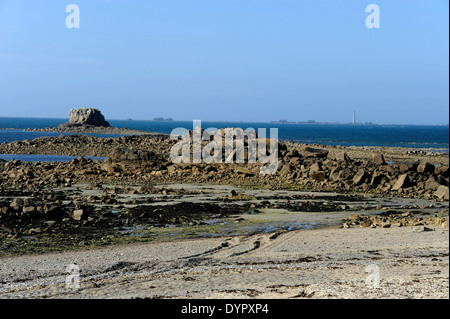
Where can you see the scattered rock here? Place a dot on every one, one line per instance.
(232, 194)
(243, 171)
(129, 154)
(77, 214)
(319, 176)
(420, 229)
(315, 153)
(442, 192)
(442, 170)
(360, 177)
(343, 157)
(403, 181)
(432, 184)
(376, 179)
(286, 168)
(425, 168)
(398, 219)
(378, 159)
(17, 203)
(29, 210)
(406, 167)
(315, 167)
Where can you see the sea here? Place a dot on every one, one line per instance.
(433, 138)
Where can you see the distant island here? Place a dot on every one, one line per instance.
(314, 122)
(161, 119)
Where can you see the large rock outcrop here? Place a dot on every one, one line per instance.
(86, 116)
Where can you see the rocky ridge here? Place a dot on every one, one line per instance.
(146, 159)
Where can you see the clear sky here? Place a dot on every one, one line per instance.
(227, 60)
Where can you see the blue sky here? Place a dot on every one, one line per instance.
(229, 60)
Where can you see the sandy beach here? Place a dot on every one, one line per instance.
(322, 263)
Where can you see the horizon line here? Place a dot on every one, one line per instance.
(241, 121)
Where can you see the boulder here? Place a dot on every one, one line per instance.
(390, 169)
(432, 184)
(171, 169)
(53, 212)
(360, 177)
(88, 116)
(343, 157)
(319, 176)
(378, 159)
(425, 168)
(402, 181)
(286, 168)
(343, 174)
(405, 167)
(442, 180)
(232, 194)
(29, 210)
(292, 153)
(17, 203)
(111, 167)
(243, 171)
(315, 167)
(295, 161)
(346, 173)
(77, 214)
(441, 170)
(335, 175)
(442, 192)
(376, 179)
(420, 229)
(314, 152)
(124, 153)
